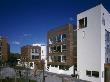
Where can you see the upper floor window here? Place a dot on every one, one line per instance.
(58, 38)
(103, 21)
(83, 23)
(64, 47)
(32, 51)
(36, 50)
(59, 48)
(63, 37)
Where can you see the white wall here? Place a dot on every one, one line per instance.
(44, 53)
(59, 71)
(91, 48)
(89, 44)
(43, 50)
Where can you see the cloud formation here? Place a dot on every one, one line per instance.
(27, 35)
(16, 42)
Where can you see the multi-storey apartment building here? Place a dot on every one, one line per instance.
(33, 54)
(61, 50)
(4, 49)
(93, 44)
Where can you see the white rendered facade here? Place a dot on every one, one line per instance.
(91, 44)
(43, 50)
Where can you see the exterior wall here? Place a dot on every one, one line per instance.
(53, 42)
(37, 50)
(26, 52)
(26, 55)
(60, 71)
(89, 44)
(104, 14)
(5, 49)
(43, 50)
(43, 53)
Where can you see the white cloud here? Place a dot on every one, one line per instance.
(27, 35)
(16, 42)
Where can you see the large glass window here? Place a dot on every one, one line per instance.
(63, 37)
(59, 58)
(64, 47)
(59, 48)
(83, 23)
(95, 73)
(58, 38)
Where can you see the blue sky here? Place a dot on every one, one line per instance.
(25, 22)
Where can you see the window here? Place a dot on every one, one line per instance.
(63, 59)
(59, 48)
(50, 49)
(59, 58)
(50, 59)
(88, 73)
(103, 21)
(50, 41)
(32, 50)
(36, 57)
(83, 23)
(64, 47)
(32, 56)
(58, 38)
(36, 50)
(63, 37)
(54, 48)
(95, 73)
(55, 58)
